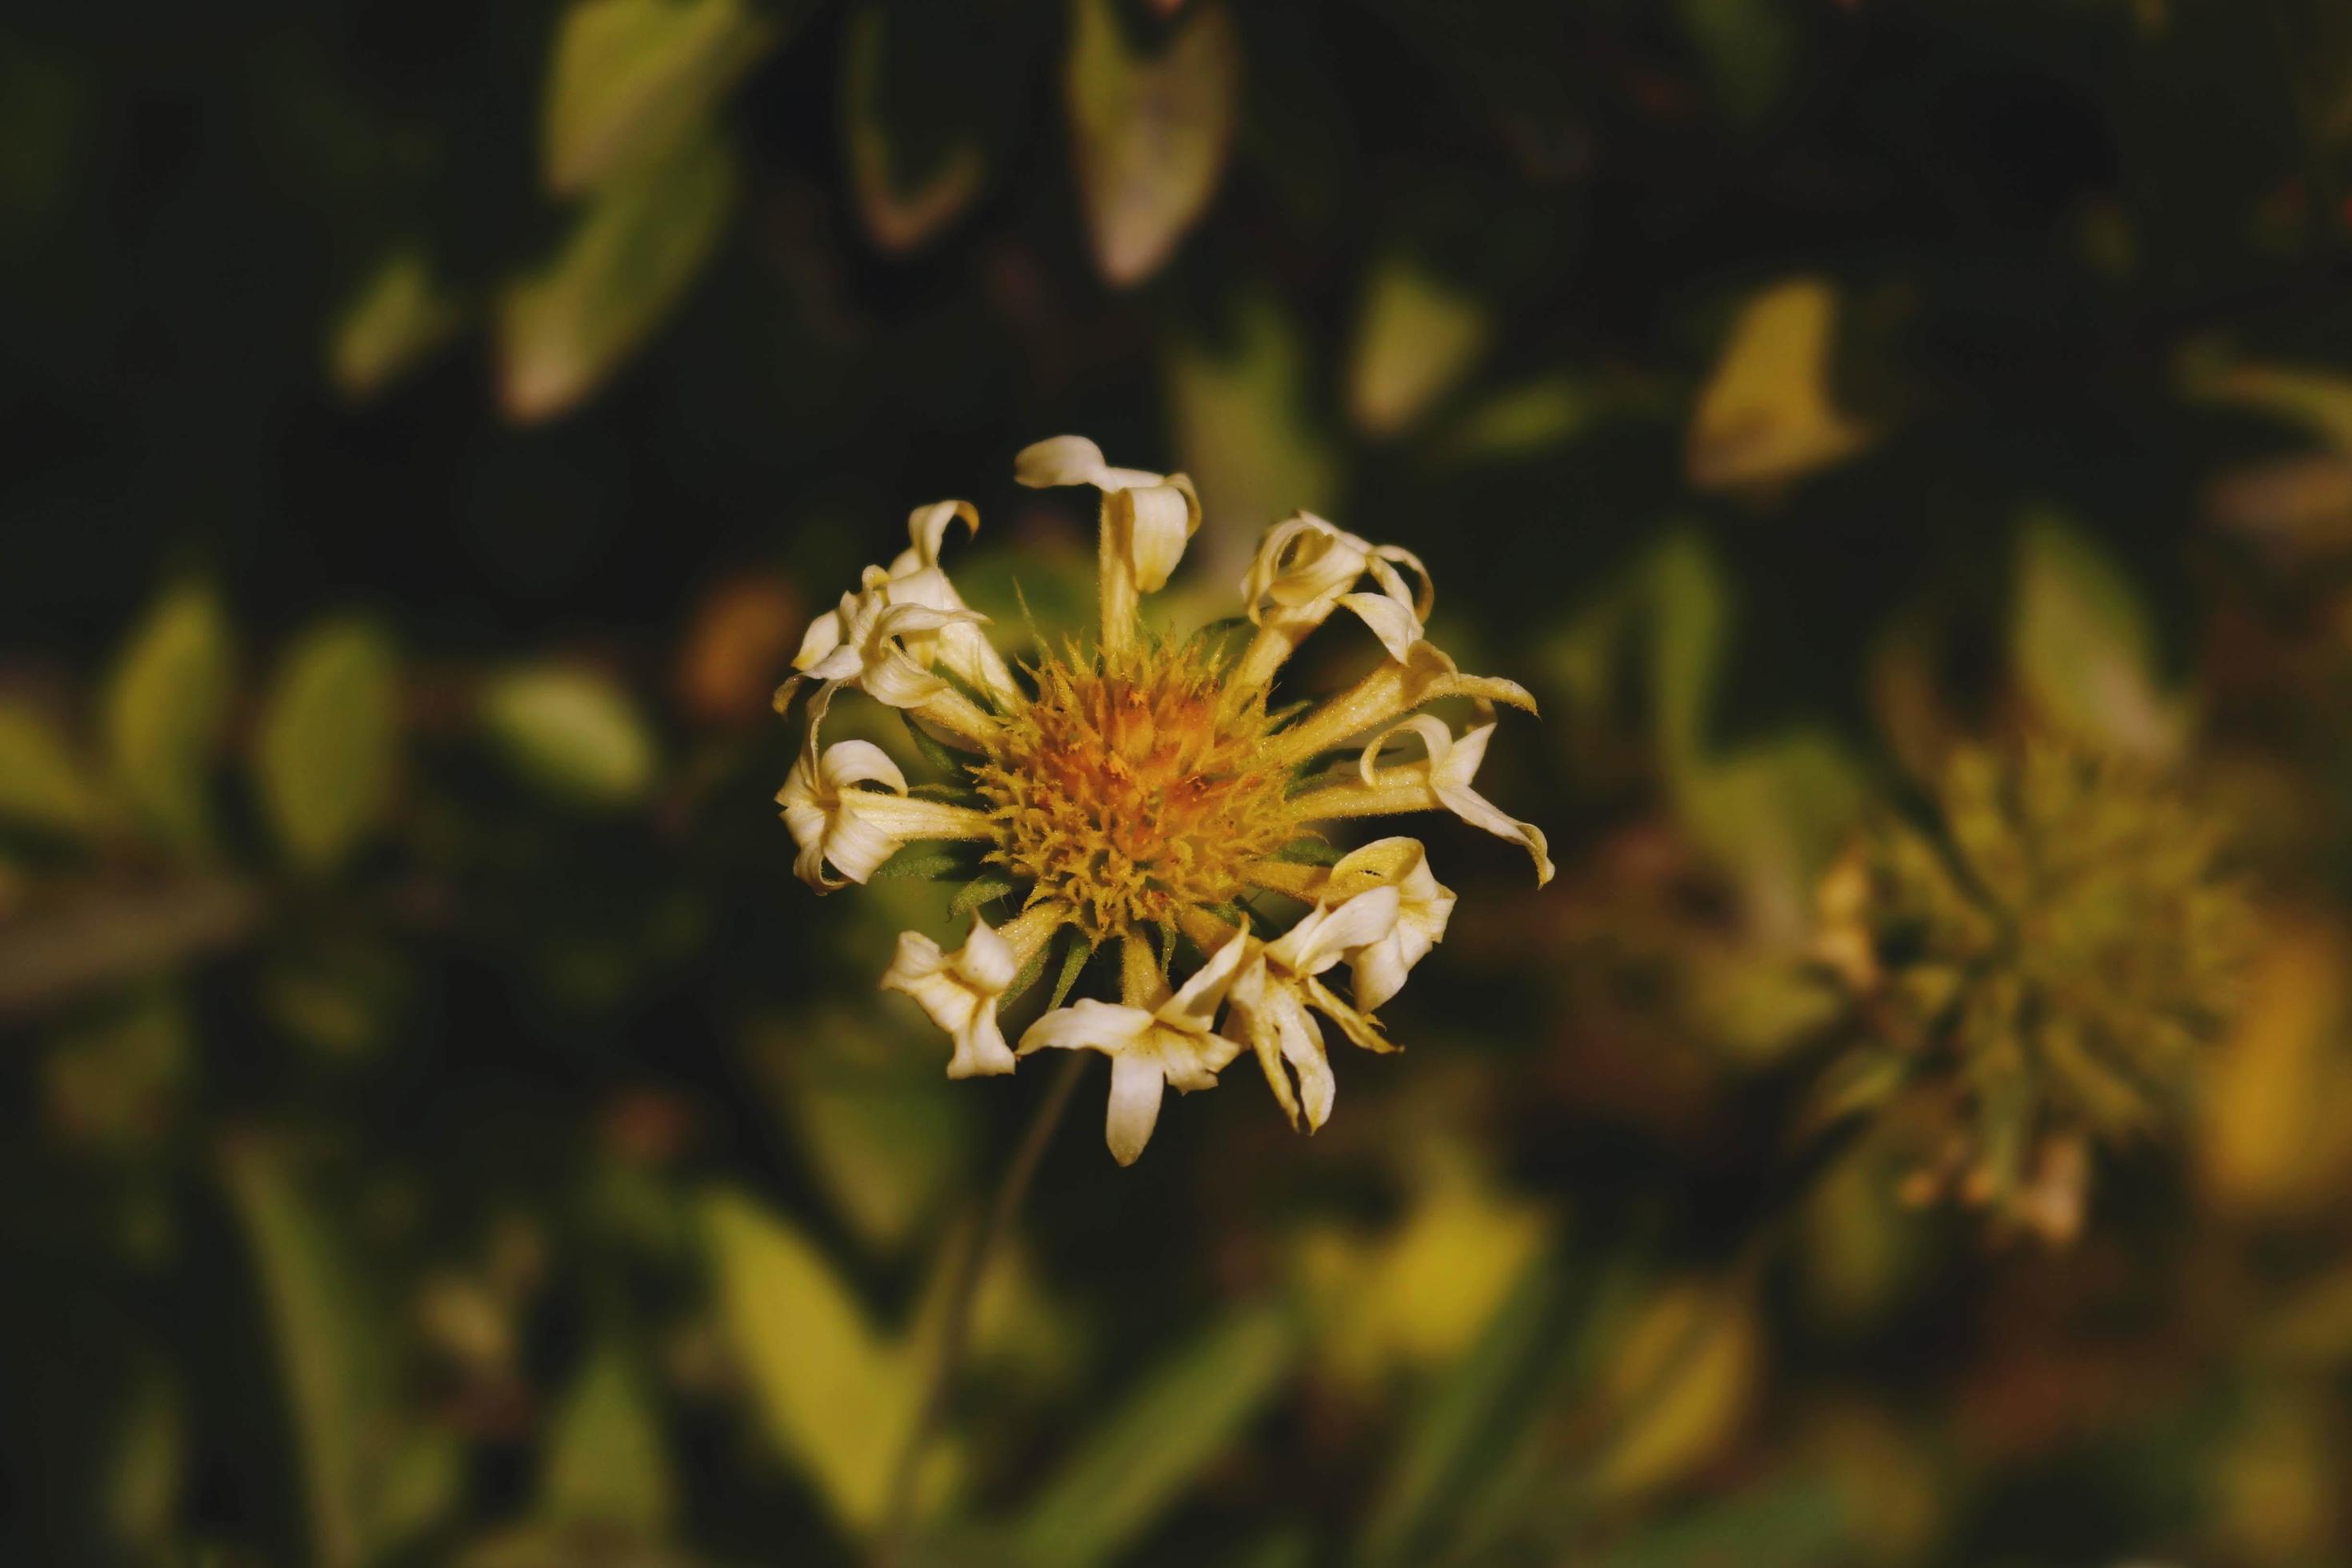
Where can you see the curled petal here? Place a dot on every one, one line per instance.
(1442, 779)
(1136, 1086)
(1329, 932)
(1087, 1025)
(1073, 460)
(927, 531)
(1148, 527)
(960, 990)
(1424, 907)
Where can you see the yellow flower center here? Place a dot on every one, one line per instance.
(1131, 790)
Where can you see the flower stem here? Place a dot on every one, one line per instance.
(955, 1334)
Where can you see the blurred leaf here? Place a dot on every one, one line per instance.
(1151, 134)
(1793, 1522)
(572, 734)
(2317, 401)
(329, 1353)
(165, 708)
(329, 742)
(1748, 46)
(116, 1081)
(1520, 421)
(1691, 617)
(884, 1130)
(633, 81)
(1245, 433)
(608, 1460)
(1680, 1381)
(42, 784)
(1419, 1294)
(1132, 1468)
(1773, 814)
(1475, 1409)
(397, 318)
(1419, 335)
(628, 260)
(2081, 646)
(900, 204)
(833, 1395)
(104, 936)
(1859, 1246)
(1766, 415)
(2277, 1090)
(148, 1467)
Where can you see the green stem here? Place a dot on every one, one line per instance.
(955, 1334)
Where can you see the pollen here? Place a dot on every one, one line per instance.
(1133, 789)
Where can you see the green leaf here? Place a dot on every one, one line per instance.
(395, 320)
(565, 328)
(574, 734)
(1242, 410)
(328, 743)
(326, 1341)
(2082, 645)
(1074, 962)
(42, 784)
(1417, 338)
(166, 709)
(936, 752)
(901, 203)
(883, 1129)
(1134, 1467)
(608, 1460)
(1477, 1410)
(922, 861)
(1311, 850)
(633, 81)
(1691, 614)
(832, 1394)
(980, 890)
(1150, 133)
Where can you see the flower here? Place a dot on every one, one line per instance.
(2040, 967)
(1145, 793)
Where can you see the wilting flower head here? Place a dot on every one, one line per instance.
(1143, 793)
(2041, 960)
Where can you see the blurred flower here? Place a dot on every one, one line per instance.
(2046, 957)
(1140, 791)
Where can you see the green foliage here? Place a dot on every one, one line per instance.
(165, 711)
(571, 733)
(1129, 1469)
(329, 744)
(43, 785)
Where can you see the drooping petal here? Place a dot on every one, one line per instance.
(1135, 1089)
(1150, 525)
(1329, 932)
(1196, 1003)
(1146, 519)
(960, 991)
(1424, 907)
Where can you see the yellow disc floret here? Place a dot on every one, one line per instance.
(1132, 788)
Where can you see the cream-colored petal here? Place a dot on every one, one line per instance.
(1302, 1049)
(1393, 689)
(1196, 1003)
(1057, 461)
(1329, 932)
(987, 962)
(927, 527)
(1393, 622)
(1087, 1025)
(847, 762)
(1150, 525)
(959, 992)
(1135, 1091)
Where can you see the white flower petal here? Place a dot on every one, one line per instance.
(1057, 461)
(1087, 1025)
(1135, 1089)
(959, 992)
(1150, 525)
(1394, 624)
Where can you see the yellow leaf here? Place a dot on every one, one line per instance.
(1766, 415)
(1418, 337)
(629, 259)
(164, 712)
(572, 733)
(42, 784)
(633, 81)
(1150, 134)
(1681, 1383)
(2277, 1092)
(395, 321)
(329, 742)
(831, 1393)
